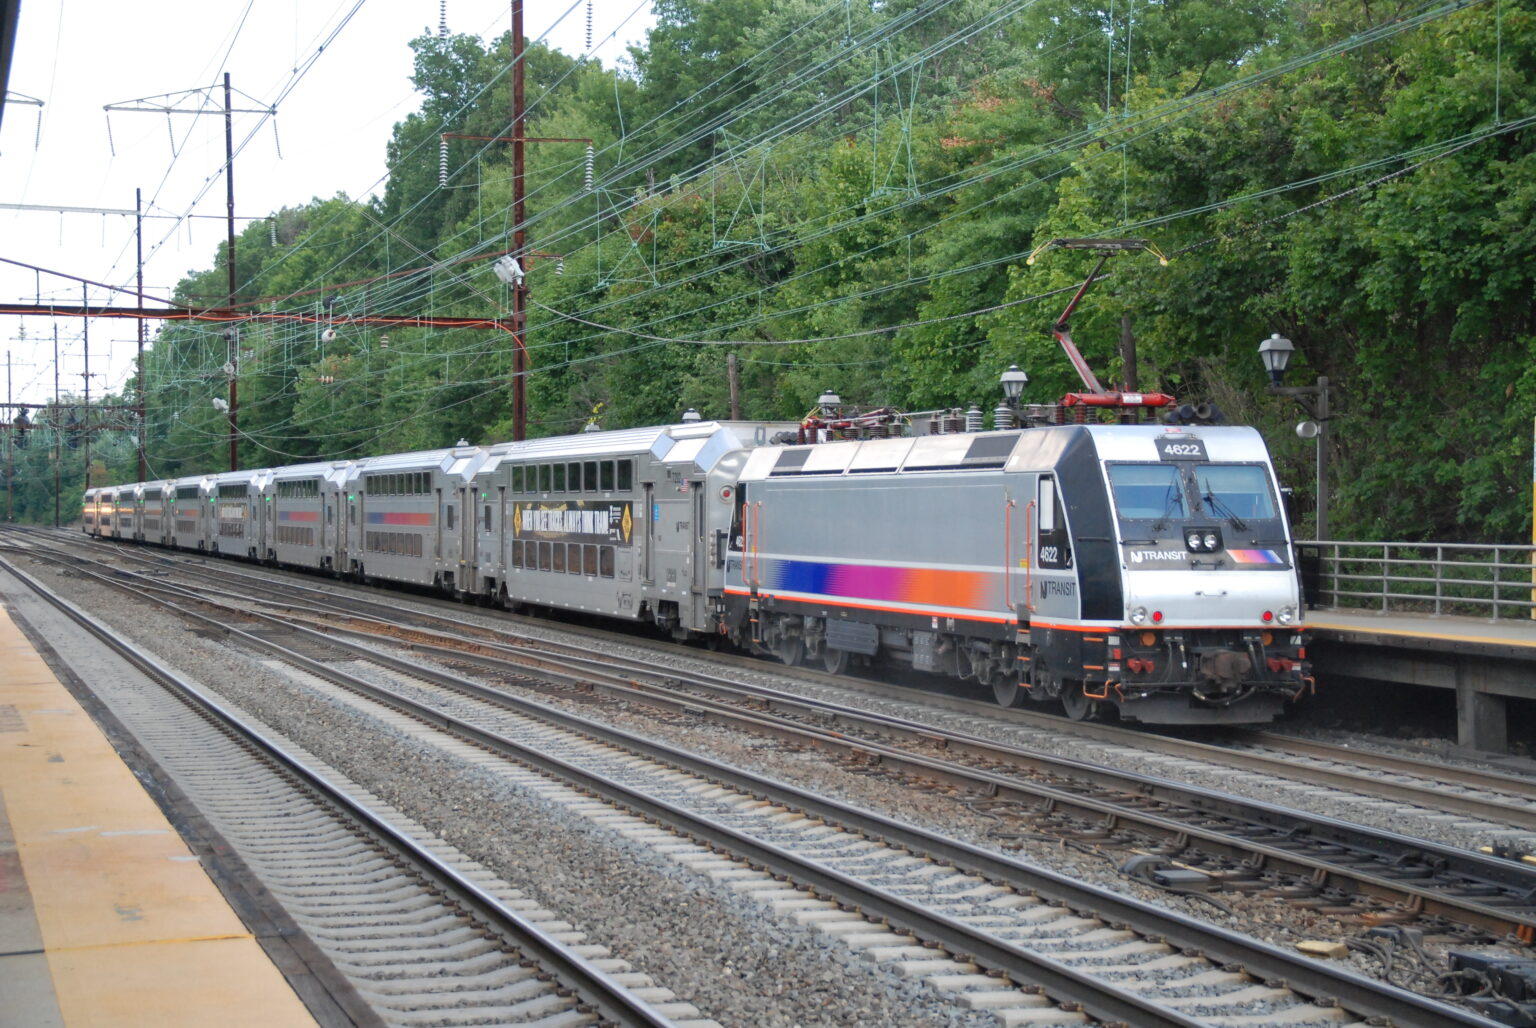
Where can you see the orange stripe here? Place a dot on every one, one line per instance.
(876, 606)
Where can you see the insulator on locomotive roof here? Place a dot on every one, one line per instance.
(973, 419)
(1002, 417)
(691, 415)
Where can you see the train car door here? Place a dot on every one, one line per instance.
(469, 540)
(672, 521)
(647, 570)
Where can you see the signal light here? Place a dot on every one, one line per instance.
(1157, 617)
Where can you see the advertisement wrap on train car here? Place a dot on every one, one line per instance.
(575, 521)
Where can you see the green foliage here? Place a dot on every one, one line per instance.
(846, 193)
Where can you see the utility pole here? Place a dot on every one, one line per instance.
(10, 432)
(730, 377)
(159, 104)
(138, 211)
(57, 455)
(234, 333)
(519, 238)
(85, 426)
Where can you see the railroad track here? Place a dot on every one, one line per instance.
(1498, 798)
(1205, 838)
(987, 910)
(417, 931)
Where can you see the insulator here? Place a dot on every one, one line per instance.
(442, 162)
(591, 160)
(272, 230)
(973, 419)
(1002, 417)
(442, 18)
(559, 265)
(952, 422)
(589, 26)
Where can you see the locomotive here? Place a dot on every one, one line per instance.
(1140, 568)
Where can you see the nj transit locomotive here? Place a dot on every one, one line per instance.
(1141, 568)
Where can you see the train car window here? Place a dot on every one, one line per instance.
(558, 556)
(605, 476)
(517, 479)
(487, 517)
(1147, 491)
(559, 478)
(544, 557)
(448, 516)
(589, 476)
(330, 514)
(605, 561)
(1047, 504)
(626, 476)
(517, 553)
(573, 559)
(573, 476)
(589, 560)
(1235, 490)
(543, 478)
(351, 515)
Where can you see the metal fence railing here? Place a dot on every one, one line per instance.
(1481, 580)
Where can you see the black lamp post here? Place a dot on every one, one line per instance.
(1276, 352)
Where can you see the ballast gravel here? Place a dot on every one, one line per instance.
(708, 945)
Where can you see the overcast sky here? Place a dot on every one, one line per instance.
(345, 66)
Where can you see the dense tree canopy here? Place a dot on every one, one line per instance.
(842, 195)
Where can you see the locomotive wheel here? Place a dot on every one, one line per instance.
(791, 651)
(1078, 706)
(1007, 691)
(835, 661)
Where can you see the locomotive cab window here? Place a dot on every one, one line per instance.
(1235, 491)
(1147, 492)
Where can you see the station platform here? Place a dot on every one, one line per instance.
(106, 917)
(1505, 637)
(1490, 664)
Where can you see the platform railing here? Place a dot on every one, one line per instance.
(1480, 580)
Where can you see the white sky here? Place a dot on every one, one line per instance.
(81, 55)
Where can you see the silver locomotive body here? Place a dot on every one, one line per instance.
(1023, 561)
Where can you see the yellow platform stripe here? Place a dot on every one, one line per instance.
(134, 931)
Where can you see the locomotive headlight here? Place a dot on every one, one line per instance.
(1139, 616)
(1209, 540)
(1285, 615)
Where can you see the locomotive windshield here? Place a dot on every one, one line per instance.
(1235, 490)
(1170, 491)
(1147, 491)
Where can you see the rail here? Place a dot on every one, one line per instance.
(1488, 580)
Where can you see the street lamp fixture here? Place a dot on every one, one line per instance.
(1006, 414)
(1013, 382)
(1276, 352)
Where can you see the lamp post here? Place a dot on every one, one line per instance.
(1276, 352)
(1013, 382)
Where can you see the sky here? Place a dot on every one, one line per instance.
(340, 69)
